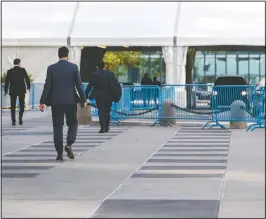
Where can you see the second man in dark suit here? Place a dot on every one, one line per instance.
(101, 81)
(62, 82)
(15, 84)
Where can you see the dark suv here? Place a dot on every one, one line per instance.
(226, 96)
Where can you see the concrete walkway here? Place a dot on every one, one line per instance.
(133, 171)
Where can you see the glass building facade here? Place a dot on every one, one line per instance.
(209, 65)
(152, 62)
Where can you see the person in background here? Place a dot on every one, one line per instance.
(62, 82)
(156, 82)
(146, 80)
(146, 94)
(101, 82)
(15, 83)
(156, 90)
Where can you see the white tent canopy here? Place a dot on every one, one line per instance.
(33, 31)
(133, 23)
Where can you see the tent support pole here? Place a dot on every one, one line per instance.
(71, 27)
(174, 79)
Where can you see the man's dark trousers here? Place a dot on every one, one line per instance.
(104, 108)
(13, 100)
(58, 113)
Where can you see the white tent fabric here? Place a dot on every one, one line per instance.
(124, 23)
(75, 55)
(44, 26)
(168, 58)
(8, 56)
(36, 23)
(181, 64)
(34, 59)
(221, 23)
(133, 23)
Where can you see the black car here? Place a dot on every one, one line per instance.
(226, 96)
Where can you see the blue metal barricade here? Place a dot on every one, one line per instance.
(35, 95)
(137, 102)
(260, 100)
(233, 104)
(189, 102)
(5, 100)
(199, 102)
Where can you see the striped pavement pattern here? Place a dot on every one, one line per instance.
(180, 180)
(8, 129)
(31, 161)
(191, 153)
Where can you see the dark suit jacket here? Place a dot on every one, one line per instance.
(146, 81)
(158, 83)
(101, 82)
(15, 81)
(62, 82)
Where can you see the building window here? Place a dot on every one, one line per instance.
(220, 64)
(209, 68)
(210, 65)
(198, 71)
(242, 61)
(231, 64)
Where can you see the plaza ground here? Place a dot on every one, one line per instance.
(133, 171)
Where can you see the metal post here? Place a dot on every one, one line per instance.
(149, 70)
(32, 97)
(161, 66)
(225, 62)
(248, 67)
(215, 65)
(175, 60)
(259, 66)
(204, 62)
(237, 64)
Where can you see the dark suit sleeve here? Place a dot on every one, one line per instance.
(7, 81)
(27, 79)
(47, 86)
(91, 85)
(113, 77)
(78, 84)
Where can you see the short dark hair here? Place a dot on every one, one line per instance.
(16, 61)
(155, 77)
(101, 65)
(63, 52)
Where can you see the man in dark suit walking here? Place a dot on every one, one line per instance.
(15, 83)
(62, 82)
(101, 81)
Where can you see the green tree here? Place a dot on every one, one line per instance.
(120, 61)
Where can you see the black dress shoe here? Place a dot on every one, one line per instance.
(101, 131)
(13, 123)
(69, 151)
(20, 122)
(107, 130)
(59, 157)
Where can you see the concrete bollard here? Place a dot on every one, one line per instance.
(84, 115)
(237, 113)
(169, 111)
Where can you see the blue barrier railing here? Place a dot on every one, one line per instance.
(186, 102)
(199, 102)
(141, 102)
(233, 104)
(260, 105)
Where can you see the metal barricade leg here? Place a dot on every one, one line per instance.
(215, 111)
(114, 118)
(32, 97)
